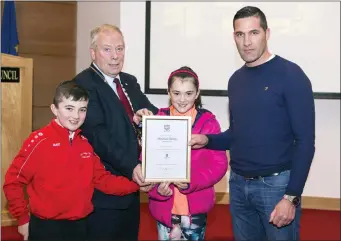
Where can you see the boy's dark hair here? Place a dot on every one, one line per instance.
(69, 89)
(250, 11)
(186, 72)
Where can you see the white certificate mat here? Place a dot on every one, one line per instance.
(166, 155)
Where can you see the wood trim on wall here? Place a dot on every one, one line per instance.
(47, 33)
(320, 203)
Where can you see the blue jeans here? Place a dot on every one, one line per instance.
(251, 203)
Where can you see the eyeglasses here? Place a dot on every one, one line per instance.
(118, 49)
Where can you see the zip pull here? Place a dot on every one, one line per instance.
(71, 135)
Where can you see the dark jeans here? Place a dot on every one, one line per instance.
(58, 230)
(251, 203)
(114, 224)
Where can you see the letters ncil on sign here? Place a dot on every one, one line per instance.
(10, 75)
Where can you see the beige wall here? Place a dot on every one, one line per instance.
(90, 15)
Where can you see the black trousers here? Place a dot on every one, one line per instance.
(61, 230)
(114, 224)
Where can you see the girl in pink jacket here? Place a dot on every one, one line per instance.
(180, 208)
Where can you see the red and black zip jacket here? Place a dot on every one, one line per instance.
(60, 175)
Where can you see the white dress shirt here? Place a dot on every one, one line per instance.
(109, 80)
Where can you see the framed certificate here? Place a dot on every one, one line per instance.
(166, 155)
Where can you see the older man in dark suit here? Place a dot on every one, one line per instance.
(114, 97)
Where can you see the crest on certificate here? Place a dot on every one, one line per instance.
(166, 128)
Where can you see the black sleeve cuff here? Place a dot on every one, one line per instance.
(209, 142)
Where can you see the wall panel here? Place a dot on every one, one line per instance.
(47, 34)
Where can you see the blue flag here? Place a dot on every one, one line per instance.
(9, 34)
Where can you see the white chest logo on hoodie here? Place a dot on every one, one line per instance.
(85, 155)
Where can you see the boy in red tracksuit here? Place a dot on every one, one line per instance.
(60, 170)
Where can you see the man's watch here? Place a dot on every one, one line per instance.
(293, 199)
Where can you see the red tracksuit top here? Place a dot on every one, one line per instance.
(60, 176)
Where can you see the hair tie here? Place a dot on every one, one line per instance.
(180, 71)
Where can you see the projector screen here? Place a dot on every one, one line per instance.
(200, 35)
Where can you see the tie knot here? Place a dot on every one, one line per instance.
(116, 81)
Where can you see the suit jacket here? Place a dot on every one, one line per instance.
(109, 130)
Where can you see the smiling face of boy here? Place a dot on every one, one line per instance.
(70, 114)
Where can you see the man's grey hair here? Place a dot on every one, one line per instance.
(100, 29)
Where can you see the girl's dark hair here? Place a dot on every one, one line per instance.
(69, 89)
(186, 72)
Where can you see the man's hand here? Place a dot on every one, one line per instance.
(181, 185)
(23, 230)
(147, 188)
(164, 189)
(138, 177)
(138, 115)
(198, 141)
(283, 214)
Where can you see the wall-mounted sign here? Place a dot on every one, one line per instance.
(10, 75)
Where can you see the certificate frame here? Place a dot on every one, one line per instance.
(187, 148)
